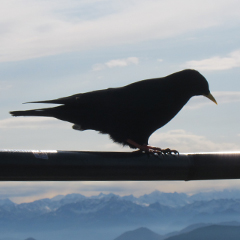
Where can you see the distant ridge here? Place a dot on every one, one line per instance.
(210, 232)
(217, 232)
(140, 234)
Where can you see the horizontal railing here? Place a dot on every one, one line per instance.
(36, 165)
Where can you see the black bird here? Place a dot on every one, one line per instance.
(129, 114)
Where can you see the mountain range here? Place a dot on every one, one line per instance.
(77, 214)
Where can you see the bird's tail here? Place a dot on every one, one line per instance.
(36, 112)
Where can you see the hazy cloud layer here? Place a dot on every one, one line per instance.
(217, 63)
(30, 123)
(116, 63)
(188, 142)
(221, 98)
(4, 85)
(31, 29)
(30, 191)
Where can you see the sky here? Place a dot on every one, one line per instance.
(51, 49)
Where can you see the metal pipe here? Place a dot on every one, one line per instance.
(34, 165)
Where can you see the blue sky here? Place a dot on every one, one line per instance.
(51, 49)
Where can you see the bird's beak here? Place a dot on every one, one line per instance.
(210, 96)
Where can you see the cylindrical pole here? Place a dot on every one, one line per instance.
(34, 165)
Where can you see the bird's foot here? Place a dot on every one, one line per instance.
(157, 150)
(169, 151)
(150, 149)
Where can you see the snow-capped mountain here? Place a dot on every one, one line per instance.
(76, 211)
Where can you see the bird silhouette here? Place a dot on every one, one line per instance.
(129, 114)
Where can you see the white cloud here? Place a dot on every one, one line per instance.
(227, 97)
(30, 191)
(122, 62)
(31, 29)
(98, 67)
(116, 63)
(221, 98)
(4, 85)
(188, 142)
(31, 122)
(216, 63)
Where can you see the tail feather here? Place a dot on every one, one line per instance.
(64, 100)
(54, 101)
(35, 112)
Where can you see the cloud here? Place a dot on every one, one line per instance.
(4, 85)
(217, 63)
(227, 97)
(31, 122)
(116, 63)
(188, 142)
(221, 98)
(29, 30)
(29, 191)
(122, 62)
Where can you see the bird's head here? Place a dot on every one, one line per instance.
(197, 84)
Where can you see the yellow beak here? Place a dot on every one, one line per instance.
(210, 96)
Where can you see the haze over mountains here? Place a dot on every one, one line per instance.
(75, 215)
